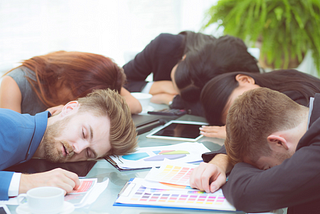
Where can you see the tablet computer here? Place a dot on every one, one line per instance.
(178, 130)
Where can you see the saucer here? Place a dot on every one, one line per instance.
(146, 109)
(24, 208)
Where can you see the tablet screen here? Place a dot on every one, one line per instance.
(180, 130)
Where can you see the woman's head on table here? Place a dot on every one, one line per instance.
(220, 92)
(197, 67)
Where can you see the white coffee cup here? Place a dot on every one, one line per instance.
(47, 200)
(143, 98)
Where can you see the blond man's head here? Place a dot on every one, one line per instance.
(123, 136)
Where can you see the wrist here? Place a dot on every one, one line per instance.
(24, 184)
(222, 162)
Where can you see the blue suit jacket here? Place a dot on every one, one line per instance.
(20, 136)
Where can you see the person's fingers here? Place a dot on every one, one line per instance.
(73, 177)
(212, 128)
(62, 178)
(218, 183)
(208, 134)
(221, 135)
(208, 176)
(209, 128)
(56, 177)
(195, 180)
(65, 186)
(203, 175)
(213, 131)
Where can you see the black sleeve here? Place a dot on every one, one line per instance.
(135, 86)
(141, 66)
(209, 155)
(294, 182)
(194, 108)
(158, 57)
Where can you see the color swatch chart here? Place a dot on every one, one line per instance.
(85, 185)
(160, 195)
(174, 198)
(78, 196)
(174, 174)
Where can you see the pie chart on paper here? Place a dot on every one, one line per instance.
(160, 155)
(135, 156)
(167, 154)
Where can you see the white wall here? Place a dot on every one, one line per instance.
(114, 28)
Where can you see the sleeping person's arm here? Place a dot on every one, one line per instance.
(134, 104)
(10, 94)
(211, 176)
(294, 182)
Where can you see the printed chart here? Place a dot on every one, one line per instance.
(159, 155)
(147, 157)
(173, 174)
(77, 197)
(137, 193)
(85, 185)
(144, 194)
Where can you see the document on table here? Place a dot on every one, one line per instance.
(178, 174)
(140, 192)
(87, 193)
(154, 156)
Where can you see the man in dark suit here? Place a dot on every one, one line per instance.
(275, 146)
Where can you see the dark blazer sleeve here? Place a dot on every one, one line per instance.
(292, 183)
(209, 155)
(194, 108)
(5, 179)
(158, 57)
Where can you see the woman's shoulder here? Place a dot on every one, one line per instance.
(20, 72)
(17, 72)
(19, 75)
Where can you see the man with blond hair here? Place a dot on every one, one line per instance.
(275, 146)
(90, 128)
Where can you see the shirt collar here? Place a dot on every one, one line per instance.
(310, 110)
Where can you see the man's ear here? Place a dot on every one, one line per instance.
(70, 107)
(277, 142)
(243, 79)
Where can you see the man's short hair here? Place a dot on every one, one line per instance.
(253, 117)
(123, 135)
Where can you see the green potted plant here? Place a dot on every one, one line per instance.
(287, 29)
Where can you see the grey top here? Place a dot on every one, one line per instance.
(30, 103)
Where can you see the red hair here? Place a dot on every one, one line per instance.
(78, 71)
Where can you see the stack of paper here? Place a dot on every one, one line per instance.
(163, 191)
(87, 193)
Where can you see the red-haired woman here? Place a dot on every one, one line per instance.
(56, 78)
